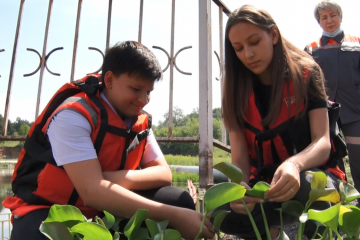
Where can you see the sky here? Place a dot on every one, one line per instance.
(295, 20)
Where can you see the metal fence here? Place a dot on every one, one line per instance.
(205, 139)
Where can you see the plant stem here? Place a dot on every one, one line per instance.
(281, 226)
(252, 221)
(265, 222)
(317, 228)
(338, 235)
(202, 226)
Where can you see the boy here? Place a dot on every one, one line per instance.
(93, 147)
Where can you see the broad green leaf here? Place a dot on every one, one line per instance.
(140, 234)
(326, 195)
(347, 193)
(108, 220)
(213, 216)
(318, 181)
(115, 226)
(134, 223)
(92, 231)
(169, 234)
(292, 207)
(231, 171)
(116, 236)
(258, 190)
(222, 193)
(218, 219)
(328, 217)
(349, 221)
(155, 227)
(67, 214)
(55, 231)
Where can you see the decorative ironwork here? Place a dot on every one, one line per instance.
(102, 54)
(40, 58)
(2, 50)
(218, 58)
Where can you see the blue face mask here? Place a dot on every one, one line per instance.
(333, 34)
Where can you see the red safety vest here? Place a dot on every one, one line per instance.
(38, 182)
(286, 136)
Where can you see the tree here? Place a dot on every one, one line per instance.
(185, 126)
(24, 129)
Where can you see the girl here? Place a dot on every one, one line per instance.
(275, 108)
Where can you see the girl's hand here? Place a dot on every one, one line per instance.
(285, 183)
(238, 205)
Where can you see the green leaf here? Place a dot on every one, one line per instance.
(347, 193)
(115, 226)
(292, 207)
(169, 234)
(318, 181)
(55, 231)
(349, 221)
(134, 223)
(140, 234)
(108, 220)
(327, 195)
(92, 231)
(328, 217)
(67, 214)
(258, 190)
(228, 192)
(231, 171)
(218, 219)
(155, 227)
(116, 236)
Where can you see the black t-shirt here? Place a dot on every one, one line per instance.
(263, 96)
(262, 100)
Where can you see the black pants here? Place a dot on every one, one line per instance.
(240, 225)
(27, 227)
(353, 130)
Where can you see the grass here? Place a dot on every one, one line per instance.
(184, 176)
(218, 156)
(10, 143)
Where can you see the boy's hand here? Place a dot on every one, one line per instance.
(188, 223)
(285, 183)
(238, 205)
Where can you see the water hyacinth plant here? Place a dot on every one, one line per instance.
(67, 222)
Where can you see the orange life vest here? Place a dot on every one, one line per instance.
(287, 136)
(38, 182)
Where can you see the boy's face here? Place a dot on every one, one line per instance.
(127, 94)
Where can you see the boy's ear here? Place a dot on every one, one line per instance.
(108, 79)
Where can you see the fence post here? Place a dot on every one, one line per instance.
(205, 95)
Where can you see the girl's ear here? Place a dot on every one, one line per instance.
(108, 79)
(275, 35)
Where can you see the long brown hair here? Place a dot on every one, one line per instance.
(288, 62)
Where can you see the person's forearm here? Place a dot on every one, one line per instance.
(313, 156)
(245, 168)
(148, 178)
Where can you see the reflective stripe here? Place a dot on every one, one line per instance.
(85, 104)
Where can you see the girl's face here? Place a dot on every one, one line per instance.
(254, 47)
(329, 20)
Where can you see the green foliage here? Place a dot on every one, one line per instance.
(184, 176)
(185, 126)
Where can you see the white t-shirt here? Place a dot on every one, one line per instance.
(72, 142)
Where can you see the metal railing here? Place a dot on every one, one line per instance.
(5, 226)
(205, 139)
